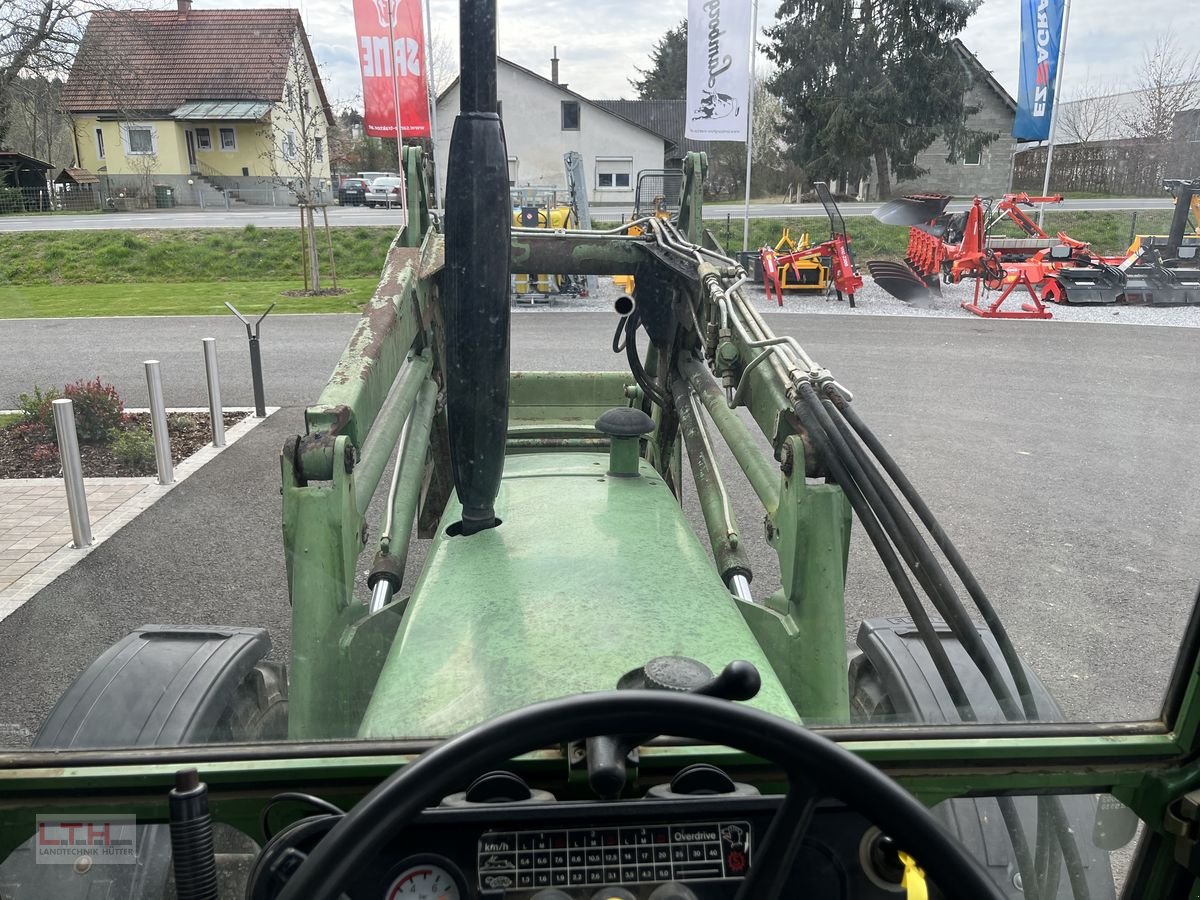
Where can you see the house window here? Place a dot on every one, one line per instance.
(570, 115)
(318, 148)
(289, 145)
(512, 171)
(291, 98)
(100, 143)
(614, 174)
(204, 138)
(973, 157)
(139, 140)
(228, 139)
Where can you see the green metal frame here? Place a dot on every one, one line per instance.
(391, 367)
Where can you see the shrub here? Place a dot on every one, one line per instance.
(36, 407)
(98, 409)
(32, 432)
(134, 448)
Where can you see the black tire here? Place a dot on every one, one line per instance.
(257, 712)
(967, 818)
(869, 701)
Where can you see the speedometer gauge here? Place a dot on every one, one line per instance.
(429, 879)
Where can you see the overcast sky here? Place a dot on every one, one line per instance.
(600, 42)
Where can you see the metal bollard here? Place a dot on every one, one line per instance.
(158, 423)
(68, 453)
(260, 402)
(213, 377)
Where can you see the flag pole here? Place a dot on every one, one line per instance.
(395, 96)
(1058, 74)
(750, 125)
(431, 90)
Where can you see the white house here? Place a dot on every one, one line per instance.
(542, 121)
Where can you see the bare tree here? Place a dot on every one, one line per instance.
(37, 37)
(1168, 82)
(1089, 115)
(441, 62)
(300, 146)
(36, 124)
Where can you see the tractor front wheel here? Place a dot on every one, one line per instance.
(257, 712)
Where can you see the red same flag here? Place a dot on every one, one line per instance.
(403, 66)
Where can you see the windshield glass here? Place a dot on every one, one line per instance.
(853, 344)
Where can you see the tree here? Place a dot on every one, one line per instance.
(37, 37)
(1168, 82)
(36, 124)
(300, 130)
(1089, 116)
(666, 79)
(872, 81)
(728, 158)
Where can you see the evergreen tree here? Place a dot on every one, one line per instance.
(871, 81)
(666, 79)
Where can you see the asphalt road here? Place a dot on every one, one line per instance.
(1059, 456)
(54, 352)
(282, 217)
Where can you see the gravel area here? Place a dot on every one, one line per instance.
(874, 301)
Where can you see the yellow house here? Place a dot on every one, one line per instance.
(218, 106)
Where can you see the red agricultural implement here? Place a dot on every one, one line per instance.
(954, 247)
(959, 246)
(835, 254)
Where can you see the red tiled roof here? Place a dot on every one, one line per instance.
(156, 61)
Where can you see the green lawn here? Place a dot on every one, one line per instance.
(7, 419)
(174, 299)
(214, 254)
(169, 273)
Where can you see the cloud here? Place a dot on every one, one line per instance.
(603, 42)
(1104, 40)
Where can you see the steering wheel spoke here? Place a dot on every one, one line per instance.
(775, 854)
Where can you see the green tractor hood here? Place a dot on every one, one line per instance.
(531, 611)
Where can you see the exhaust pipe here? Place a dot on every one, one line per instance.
(478, 222)
(624, 306)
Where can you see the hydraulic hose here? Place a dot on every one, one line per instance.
(891, 563)
(1052, 813)
(910, 545)
(649, 388)
(912, 603)
(946, 545)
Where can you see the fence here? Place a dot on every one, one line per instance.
(33, 199)
(1123, 168)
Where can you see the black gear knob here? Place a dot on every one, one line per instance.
(738, 681)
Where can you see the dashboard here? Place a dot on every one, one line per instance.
(648, 849)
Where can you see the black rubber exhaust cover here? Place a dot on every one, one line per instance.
(478, 220)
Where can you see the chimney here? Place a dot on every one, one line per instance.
(553, 59)
(185, 6)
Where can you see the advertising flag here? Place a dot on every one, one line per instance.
(718, 70)
(391, 53)
(1041, 30)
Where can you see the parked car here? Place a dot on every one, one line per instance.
(385, 191)
(353, 191)
(371, 176)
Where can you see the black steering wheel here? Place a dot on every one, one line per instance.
(816, 768)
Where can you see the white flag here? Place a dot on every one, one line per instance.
(718, 82)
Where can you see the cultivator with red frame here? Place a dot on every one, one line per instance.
(1057, 269)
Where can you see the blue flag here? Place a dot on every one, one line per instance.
(1041, 28)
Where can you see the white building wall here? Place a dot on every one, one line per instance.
(531, 109)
